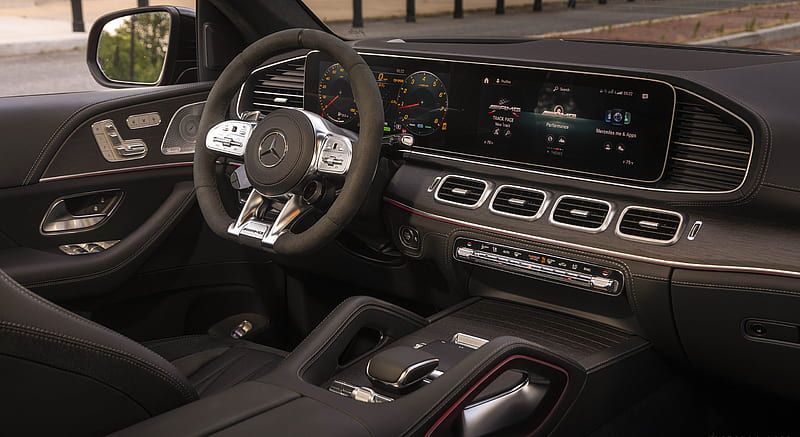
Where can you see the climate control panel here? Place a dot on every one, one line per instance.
(580, 274)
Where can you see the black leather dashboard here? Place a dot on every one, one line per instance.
(745, 236)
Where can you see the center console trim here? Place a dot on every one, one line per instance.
(453, 408)
(596, 250)
(611, 284)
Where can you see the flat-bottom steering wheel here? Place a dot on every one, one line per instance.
(289, 152)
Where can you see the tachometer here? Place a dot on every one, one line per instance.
(336, 100)
(422, 103)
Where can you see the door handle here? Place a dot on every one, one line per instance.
(80, 212)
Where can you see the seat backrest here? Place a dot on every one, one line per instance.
(62, 374)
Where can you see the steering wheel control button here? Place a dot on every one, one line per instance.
(335, 155)
(273, 149)
(410, 237)
(229, 137)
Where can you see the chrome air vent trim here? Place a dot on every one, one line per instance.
(537, 215)
(710, 149)
(594, 230)
(487, 190)
(240, 110)
(628, 209)
(593, 249)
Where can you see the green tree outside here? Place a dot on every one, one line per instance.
(133, 49)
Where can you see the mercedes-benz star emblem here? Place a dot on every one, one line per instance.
(272, 150)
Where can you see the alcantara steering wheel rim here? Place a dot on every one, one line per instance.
(362, 164)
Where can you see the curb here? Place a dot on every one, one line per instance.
(746, 39)
(44, 45)
(441, 13)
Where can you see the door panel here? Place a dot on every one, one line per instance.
(49, 152)
(33, 128)
(78, 155)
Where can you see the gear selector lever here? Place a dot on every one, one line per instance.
(401, 368)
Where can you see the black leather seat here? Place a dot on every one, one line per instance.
(66, 375)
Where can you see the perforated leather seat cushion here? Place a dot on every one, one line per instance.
(213, 364)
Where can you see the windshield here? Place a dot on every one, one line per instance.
(765, 24)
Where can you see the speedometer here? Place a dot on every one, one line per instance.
(336, 100)
(422, 103)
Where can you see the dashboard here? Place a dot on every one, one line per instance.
(647, 188)
(606, 125)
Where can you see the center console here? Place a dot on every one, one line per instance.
(481, 367)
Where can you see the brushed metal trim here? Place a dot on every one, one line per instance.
(116, 170)
(710, 164)
(402, 379)
(539, 213)
(625, 236)
(597, 230)
(719, 149)
(263, 67)
(487, 190)
(169, 126)
(82, 223)
(596, 250)
(132, 116)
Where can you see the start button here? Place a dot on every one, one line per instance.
(409, 237)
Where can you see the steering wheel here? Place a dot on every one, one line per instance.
(289, 153)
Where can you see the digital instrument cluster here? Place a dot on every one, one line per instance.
(414, 102)
(591, 123)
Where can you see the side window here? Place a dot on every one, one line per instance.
(43, 45)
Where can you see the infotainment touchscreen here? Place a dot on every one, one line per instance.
(603, 125)
(597, 124)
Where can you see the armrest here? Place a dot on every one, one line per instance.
(317, 358)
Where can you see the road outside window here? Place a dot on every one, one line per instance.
(40, 53)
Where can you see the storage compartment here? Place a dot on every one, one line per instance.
(741, 326)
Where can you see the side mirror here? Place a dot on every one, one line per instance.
(147, 46)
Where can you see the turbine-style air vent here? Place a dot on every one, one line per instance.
(519, 202)
(462, 191)
(649, 225)
(581, 213)
(710, 148)
(276, 86)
